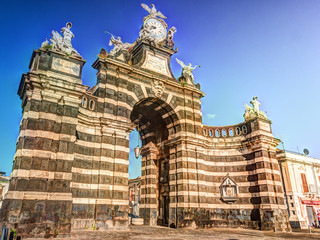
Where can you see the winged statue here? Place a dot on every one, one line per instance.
(187, 70)
(152, 11)
(118, 45)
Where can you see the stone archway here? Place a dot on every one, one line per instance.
(156, 121)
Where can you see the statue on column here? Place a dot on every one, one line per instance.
(61, 44)
(254, 111)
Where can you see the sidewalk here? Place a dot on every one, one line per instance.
(158, 233)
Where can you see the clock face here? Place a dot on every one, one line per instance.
(156, 28)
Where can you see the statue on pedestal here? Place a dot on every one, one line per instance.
(62, 44)
(118, 45)
(170, 42)
(187, 72)
(254, 111)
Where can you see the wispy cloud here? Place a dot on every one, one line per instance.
(210, 115)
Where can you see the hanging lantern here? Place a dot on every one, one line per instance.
(137, 150)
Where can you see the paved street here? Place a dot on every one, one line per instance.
(154, 233)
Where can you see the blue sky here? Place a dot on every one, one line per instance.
(265, 48)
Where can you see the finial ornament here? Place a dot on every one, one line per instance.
(187, 72)
(254, 111)
(152, 11)
(61, 44)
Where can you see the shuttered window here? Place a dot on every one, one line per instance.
(304, 182)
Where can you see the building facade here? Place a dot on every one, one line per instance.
(301, 177)
(70, 169)
(134, 196)
(4, 186)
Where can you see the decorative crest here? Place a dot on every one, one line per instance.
(253, 112)
(187, 72)
(61, 44)
(157, 87)
(152, 11)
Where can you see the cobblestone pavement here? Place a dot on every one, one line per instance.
(157, 233)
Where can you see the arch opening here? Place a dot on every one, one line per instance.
(155, 121)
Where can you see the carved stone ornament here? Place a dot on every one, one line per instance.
(253, 112)
(157, 88)
(229, 190)
(61, 44)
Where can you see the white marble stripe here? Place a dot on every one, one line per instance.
(149, 167)
(99, 201)
(169, 98)
(102, 159)
(46, 134)
(70, 120)
(197, 111)
(116, 103)
(50, 116)
(217, 184)
(213, 163)
(148, 206)
(149, 186)
(22, 173)
(143, 88)
(227, 206)
(99, 186)
(150, 195)
(182, 121)
(204, 172)
(148, 135)
(44, 154)
(32, 195)
(115, 88)
(217, 195)
(99, 172)
(102, 145)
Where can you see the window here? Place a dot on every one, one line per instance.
(210, 133)
(238, 131)
(231, 132)
(224, 133)
(244, 129)
(293, 213)
(304, 182)
(217, 133)
(91, 104)
(292, 205)
(84, 102)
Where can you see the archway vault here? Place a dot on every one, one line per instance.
(156, 121)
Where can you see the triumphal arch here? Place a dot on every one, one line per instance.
(70, 170)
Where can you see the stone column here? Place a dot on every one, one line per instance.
(149, 184)
(268, 191)
(39, 200)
